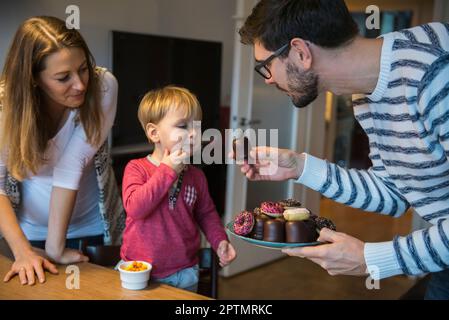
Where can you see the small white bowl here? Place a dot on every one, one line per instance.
(134, 280)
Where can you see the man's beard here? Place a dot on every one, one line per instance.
(302, 86)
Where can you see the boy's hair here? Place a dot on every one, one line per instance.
(274, 23)
(156, 103)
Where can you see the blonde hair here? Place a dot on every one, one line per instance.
(156, 104)
(24, 131)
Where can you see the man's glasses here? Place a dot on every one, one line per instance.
(262, 68)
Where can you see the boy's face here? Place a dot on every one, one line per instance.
(174, 132)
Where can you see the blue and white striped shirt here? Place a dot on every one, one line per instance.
(406, 119)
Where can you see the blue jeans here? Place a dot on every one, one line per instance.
(438, 286)
(186, 279)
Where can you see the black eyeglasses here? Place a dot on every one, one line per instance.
(262, 68)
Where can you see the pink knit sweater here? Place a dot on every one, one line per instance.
(169, 239)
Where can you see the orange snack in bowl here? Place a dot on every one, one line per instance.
(135, 266)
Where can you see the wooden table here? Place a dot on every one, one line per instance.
(96, 283)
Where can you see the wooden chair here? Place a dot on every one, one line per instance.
(418, 290)
(208, 278)
(106, 256)
(109, 256)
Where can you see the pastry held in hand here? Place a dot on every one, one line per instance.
(241, 149)
(296, 214)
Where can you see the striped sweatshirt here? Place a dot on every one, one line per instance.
(406, 120)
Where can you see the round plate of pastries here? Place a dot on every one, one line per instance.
(277, 225)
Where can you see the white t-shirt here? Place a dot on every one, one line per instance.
(70, 165)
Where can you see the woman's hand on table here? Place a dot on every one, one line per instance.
(272, 164)
(30, 264)
(226, 253)
(67, 256)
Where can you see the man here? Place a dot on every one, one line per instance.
(401, 99)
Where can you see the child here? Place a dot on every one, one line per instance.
(165, 200)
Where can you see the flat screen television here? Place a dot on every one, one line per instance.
(142, 62)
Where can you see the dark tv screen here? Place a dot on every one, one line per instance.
(143, 62)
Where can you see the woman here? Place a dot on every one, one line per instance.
(56, 111)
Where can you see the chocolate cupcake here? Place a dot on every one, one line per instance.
(257, 232)
(300, 231)
(282, 219)
(274, 230)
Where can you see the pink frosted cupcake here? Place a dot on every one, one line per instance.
(272, 209)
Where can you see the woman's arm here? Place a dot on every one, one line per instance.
(10, 229)
(62, 202)
(27, 261)
(68, 172)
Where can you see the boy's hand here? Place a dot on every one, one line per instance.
(175, 159)
(226, 253)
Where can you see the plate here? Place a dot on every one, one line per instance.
(269, 244)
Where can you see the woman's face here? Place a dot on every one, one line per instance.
(65, 77)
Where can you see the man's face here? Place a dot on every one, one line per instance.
(289, 76)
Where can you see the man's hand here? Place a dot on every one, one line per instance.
(342, 255)
(226, 253)
(272, 164)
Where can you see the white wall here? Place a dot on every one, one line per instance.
(206, 20)
(196, 19)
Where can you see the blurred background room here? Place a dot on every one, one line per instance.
(194, 43)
